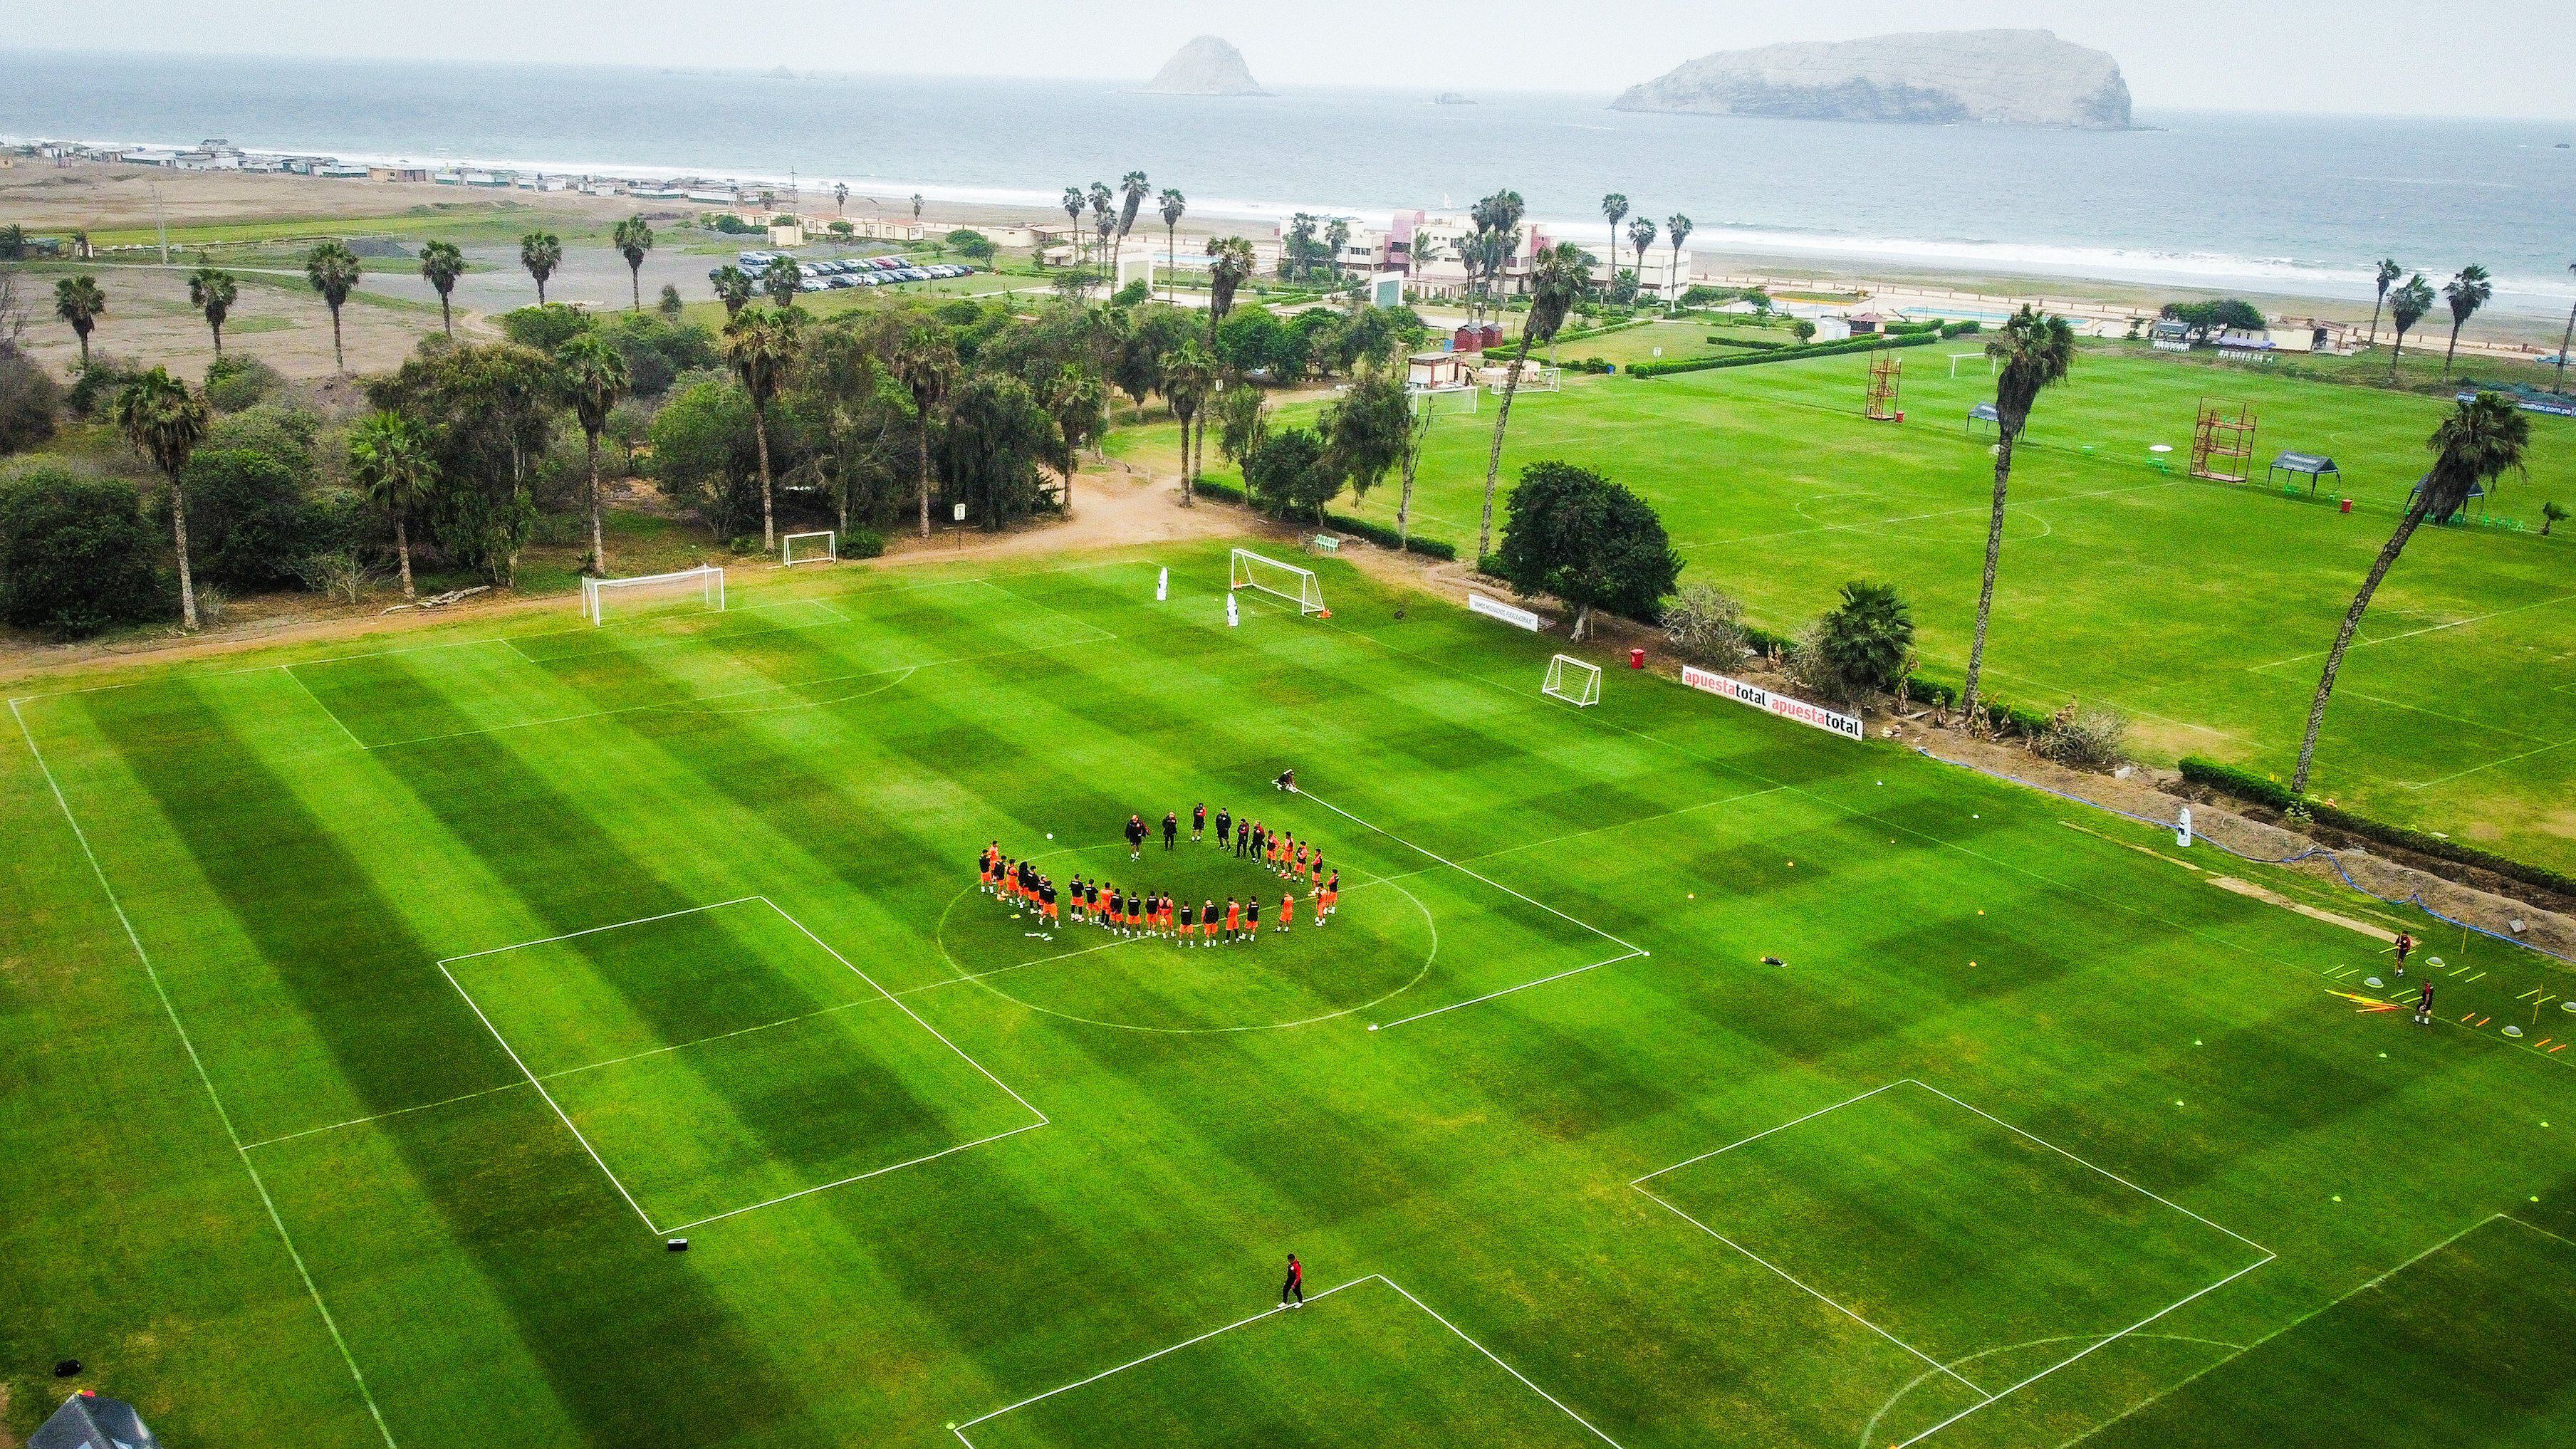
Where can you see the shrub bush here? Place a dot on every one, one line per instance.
(239, 383)
(1706, 626)
(1786, 354)
(2093, 738)
(76, 555)
(1867, 641)
(29, 403)
(860, 543)
(248, 520)
(95, 386)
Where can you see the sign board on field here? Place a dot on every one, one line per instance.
(960, 514)
(1518, 618)
(1780, 704)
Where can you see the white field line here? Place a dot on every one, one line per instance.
(1869, 1430)
(613, 926)
(2411, 633)
(2489, 765)
(1765, 1132)
(2451, 718)
(196, 1063)
(1871, 523)
(289, 671)
(1506, 991)
(853, 1177)
(960, 1429)
(381, 1116)
(2326, 1307)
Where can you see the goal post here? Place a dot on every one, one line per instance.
(1433, 401)
(705, 584)
(1298, 586)
(1573, 680)
(819, 547)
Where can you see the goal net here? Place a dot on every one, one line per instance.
(797, 548)
(700, 587)
(1270, 576)
(1433, 401)
(1572, 680)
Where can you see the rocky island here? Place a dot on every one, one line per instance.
(2002, 77)
(1207, 66)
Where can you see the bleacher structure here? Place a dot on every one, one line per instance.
(2222, 444)
(1886, 387)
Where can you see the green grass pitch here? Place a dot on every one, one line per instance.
(2202, 611)
(374, 1009)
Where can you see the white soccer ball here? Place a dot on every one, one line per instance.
(1050, 835)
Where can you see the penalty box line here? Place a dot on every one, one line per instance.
(960, 1429)
(539, 1083)
(1627, 950)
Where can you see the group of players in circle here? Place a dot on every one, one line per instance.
(1153, 913)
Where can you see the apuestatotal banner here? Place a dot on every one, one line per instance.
(1782, 705)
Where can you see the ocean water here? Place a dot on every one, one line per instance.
(2300, 205)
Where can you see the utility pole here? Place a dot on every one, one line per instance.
(162, 220)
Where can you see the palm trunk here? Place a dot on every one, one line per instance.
(179, 531)
(84, 341)
(446, 319)
(923, 471)
(635, 280)
(1171, 259)
(541, 291)
(2343, 639)
(1582, 623)
(2563, 344)
(2396, 350)
(219, 341)
(1986, 589)
(760, 436)
(339, 358)
(2451, 351)
(1494, 456)
(1404, 501)
(2375, 309)
(402, 551)
(598, 548)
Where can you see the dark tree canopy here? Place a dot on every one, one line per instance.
(1288, 472)
(1591, 542)
(76, 555)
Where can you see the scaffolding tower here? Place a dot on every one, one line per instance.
(2222, 445)
(1886, 382)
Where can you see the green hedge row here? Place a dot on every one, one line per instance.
(1821, 349)
(1376, 533)
(1509, 350)
(2263, 790)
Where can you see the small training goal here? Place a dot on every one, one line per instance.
(1270, 576)
(700, 586)
(797, 548)
(1433, 401)
(1572, 680)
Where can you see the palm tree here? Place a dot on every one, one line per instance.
(80, 302)
(595, 380)
(916, 208)
(923, 359)
(2406, 307)
(1189, 375)
(634, 237)
(333, 270)
(164, 422)
(1230, 264)
(541, 252)
(1559, 276)
(390, 462)
(1614, 207)
(760, 345)
(440, 265)
(733, 288)
(213, 292)
(1133, 188)
(2482, 439)
(1497, 220)
(2035, 351)
(782, 279)
(1073, 204)
(840, 196)
(1678, 228)
(1641, 235)
(2389, 272)
(1174, 206)
(1104, 212)
(2566, 342)
(2466, 293)
(1337, 236)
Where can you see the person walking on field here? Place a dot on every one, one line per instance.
(1171, 828)
(1295, 1288)
(2405, 945)
(2424, 1006)
(1135, 837)
(1198, 823)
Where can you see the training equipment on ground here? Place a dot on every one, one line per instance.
(2312, 466)
(1162, 585)
(1572, 680)
(706, 581)
(2222, 444)
(1298, 586)
(818, 548)
(1958, 357)
(1886, 389)
(1517, 617)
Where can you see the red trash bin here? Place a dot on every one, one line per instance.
(2347, 505)
(1636, 658)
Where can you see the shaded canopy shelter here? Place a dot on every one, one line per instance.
(2314, 466)
(1984, 413)
(2477, 499)
(90, 1420)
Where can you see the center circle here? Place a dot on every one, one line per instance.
(1378, 944)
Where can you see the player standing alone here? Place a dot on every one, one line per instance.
(1198, 822)
(1171, 828)
(2405, 945)
(1295, 1288)
(1135, 837)
(1224, 826)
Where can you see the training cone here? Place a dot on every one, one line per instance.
(1323, 613)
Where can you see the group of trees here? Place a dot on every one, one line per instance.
(1113, 216)
(1641, 235)
(2411, 302)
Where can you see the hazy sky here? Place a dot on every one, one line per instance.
(2446, 57)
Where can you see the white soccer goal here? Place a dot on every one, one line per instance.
(816, 548)
(706, 583)
(1269, 575)
(1572, 680)
(1433, 401)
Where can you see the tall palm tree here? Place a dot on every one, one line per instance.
(80, 302)
(760, 345)
(1189, 375)
(1559, 277)
(2389, 272)
(2466, 293)
(1678, 228)
(923, 358)
(2483, 439)
(541, 252)
(389, 460)
(916, 208)
(595, 381)
(2406, 307)
(634, 237)
(1337, 238)
(1104, 217)
(1497, 220)
(1073, 203)
(733, 288)
(213, 292)
(440, 265)
(1614, 207)
(2567, 341)
(333, 270)
(1230, 264)
(2034, 352)
(1174, 206)
(1641, 235)
(840, 196)
(1133, 188)
(164, 422)
(782, 279)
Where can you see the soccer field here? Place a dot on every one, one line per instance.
(377, 1008)
(2202, 611)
